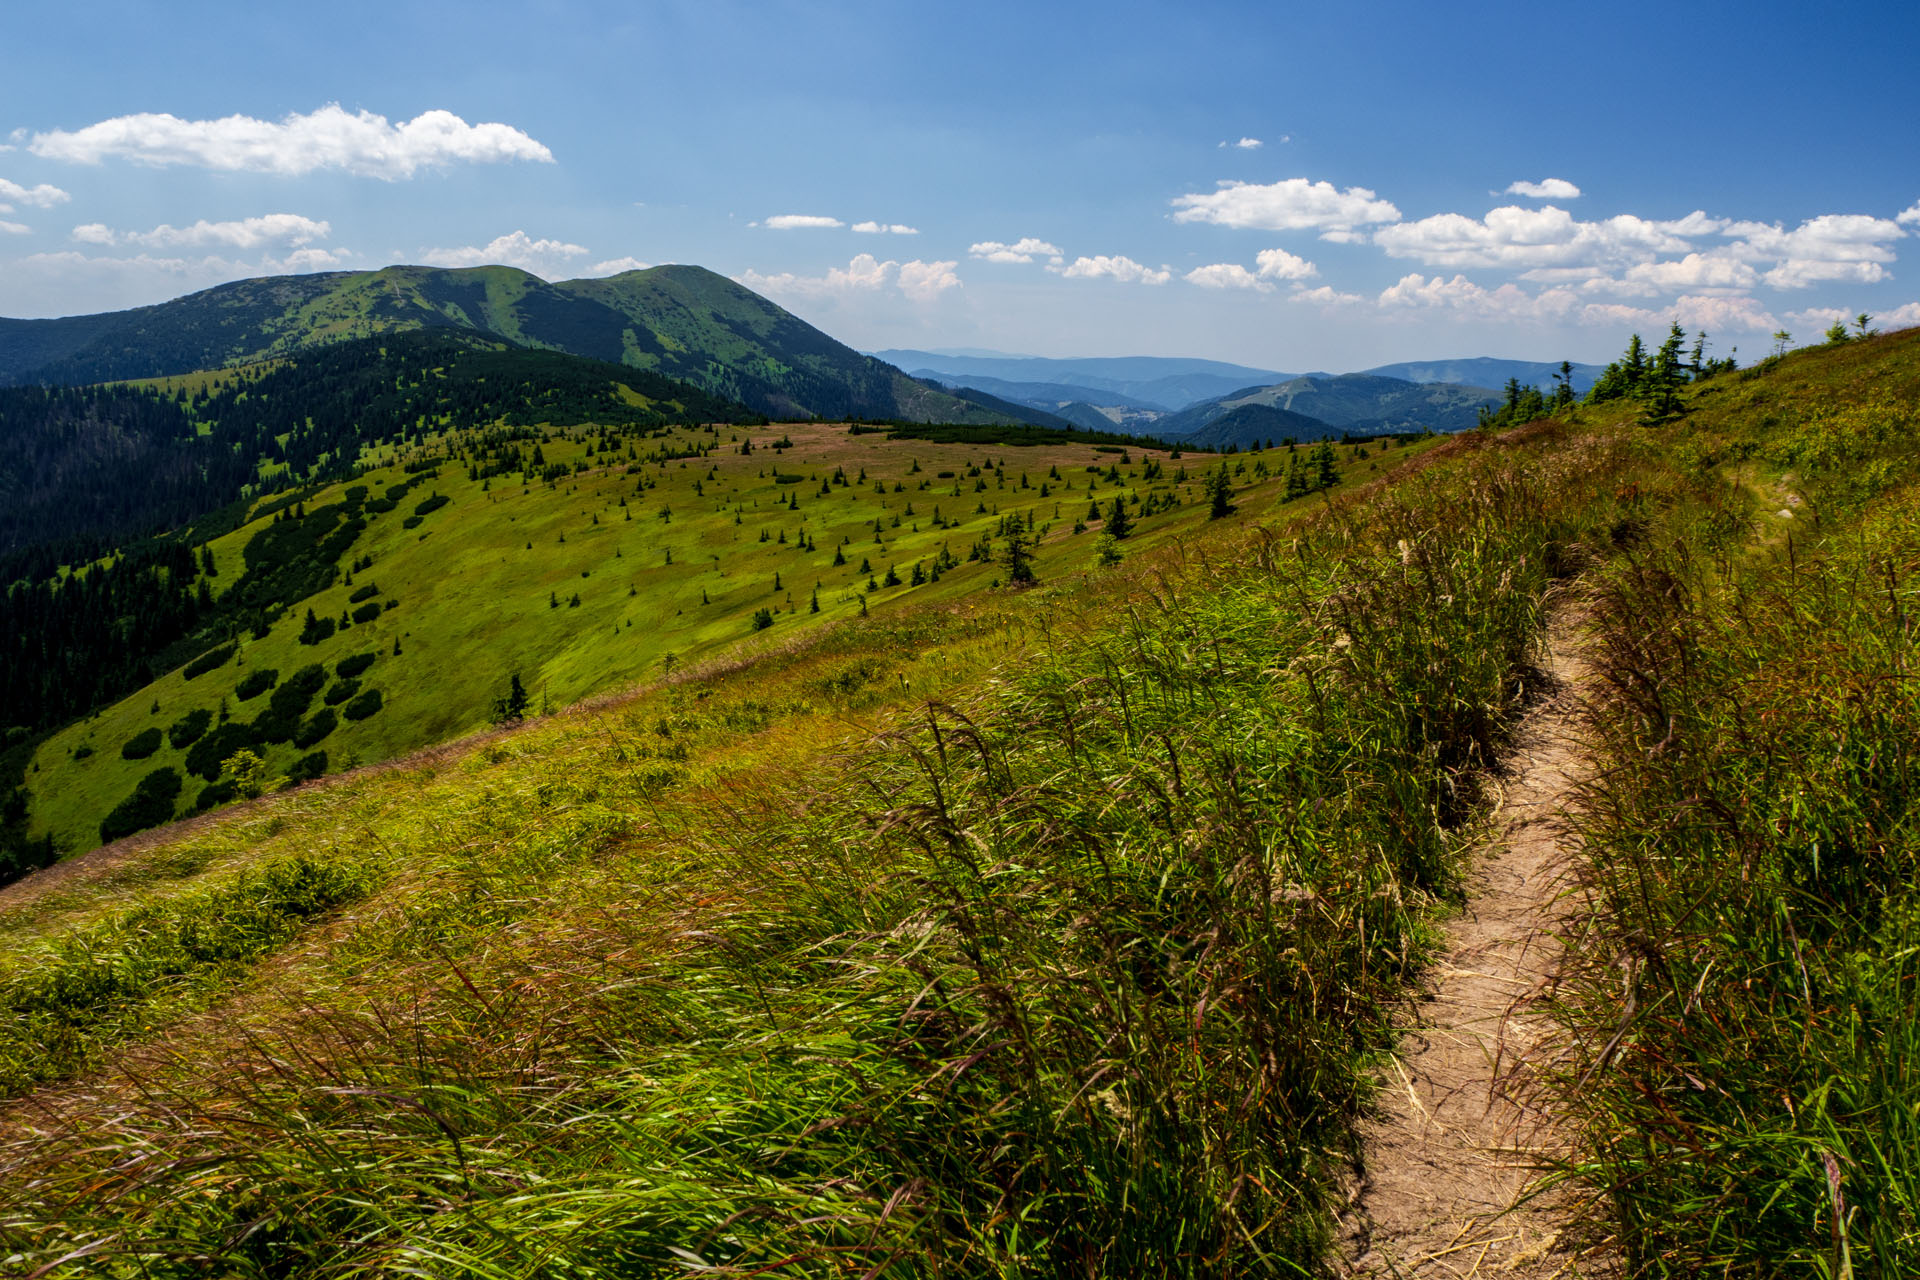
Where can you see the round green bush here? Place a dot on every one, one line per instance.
(141, 745)
(363, 706)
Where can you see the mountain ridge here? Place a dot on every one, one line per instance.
(1348, 402)
(684, 322)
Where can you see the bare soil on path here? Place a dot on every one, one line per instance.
(1451, 1166)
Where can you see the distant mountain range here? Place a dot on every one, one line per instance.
(1151, 382)
(683, 322)
(690, 324)
(1209, 402)
(1486, 371)
(1315, 405)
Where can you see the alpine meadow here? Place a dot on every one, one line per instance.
(1214, 642)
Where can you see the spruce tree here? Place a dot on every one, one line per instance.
(1018, 554)
(1219, 488)
(1325, 474)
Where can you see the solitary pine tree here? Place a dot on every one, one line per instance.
(1017, 555)
(1220, 492)
(1326, 474)
(1119, 524)
(1665, 376)
(511, 707)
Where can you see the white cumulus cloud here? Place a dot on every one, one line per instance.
(800, 222)
(1246, 144)
(43, 196)
(1278, 264)
(1549, 189)
(1695, 272)
(925, 281)
(1910, 217)
(1510, 303)
(362, 143)
(515, 249)
(1832, 247)
(1901, 317)
(1292, 204)
(13, 228)
(1325, 296)
(243, 233)
(1117, 267)
(920, 281)
(1271, 264)
(1227, 275)
(1025, 249)
(885, 229)
(1517, 238)
(616, 266)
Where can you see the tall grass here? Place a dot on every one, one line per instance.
(1080, 971)
(1747, 1078)
(61, 1004)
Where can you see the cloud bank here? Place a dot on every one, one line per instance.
(800, 222)
(1292, 204)
(1113, 268)
(244, 233)
(360, 143)
(544, 258)
(1549, 189)
(864, 274)
(1025, 249)
(44, 196)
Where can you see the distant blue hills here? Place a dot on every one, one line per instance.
(1214, 402)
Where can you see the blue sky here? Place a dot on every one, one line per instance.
(1068, 179)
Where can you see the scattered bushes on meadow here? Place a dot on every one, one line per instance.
(206, 756)
(141, 745)
(362, 705)
(188, 729)
(255, 683)
(313, 730)
(208, 661)
(311, 766)
(150, 805)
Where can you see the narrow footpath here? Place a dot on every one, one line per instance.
(1452, 1158)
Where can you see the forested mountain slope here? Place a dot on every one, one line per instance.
(682, 321)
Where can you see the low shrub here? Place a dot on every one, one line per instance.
(188, 729)
(362, 705)
(150, 805)
(141, 745)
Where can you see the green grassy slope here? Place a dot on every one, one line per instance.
(1048, 931)
(681, 321)
(1054, 931)
(665, 556)
(1745, 1075)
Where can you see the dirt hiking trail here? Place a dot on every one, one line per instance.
(1455, 1148)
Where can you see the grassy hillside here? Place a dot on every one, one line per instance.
(1746, 1039)
(1049, 932)
(582, 559)
(1058, 930)
(680, 321)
